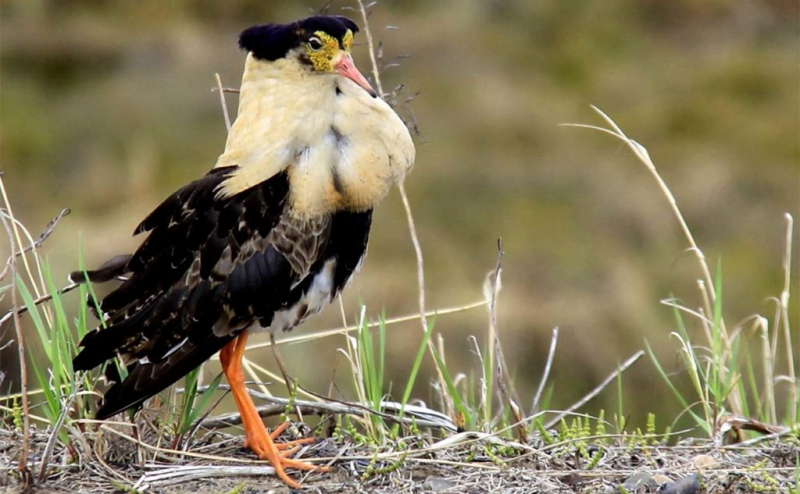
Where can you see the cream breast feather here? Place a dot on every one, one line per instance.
(342, 147)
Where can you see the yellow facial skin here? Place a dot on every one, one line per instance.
(323, 48)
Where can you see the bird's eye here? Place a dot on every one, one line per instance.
(315, 44)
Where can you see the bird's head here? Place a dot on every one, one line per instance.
(319, 44)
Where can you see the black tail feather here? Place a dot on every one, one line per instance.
(113, 268)
(146, 379)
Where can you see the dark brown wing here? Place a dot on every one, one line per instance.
(207, 270)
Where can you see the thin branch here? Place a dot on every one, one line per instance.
(16, 226)
(165, 476)
(622, 368)
(232, 90)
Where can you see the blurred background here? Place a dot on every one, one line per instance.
(106, 107)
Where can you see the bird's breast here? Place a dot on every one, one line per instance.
(342, 148)
(359, 148)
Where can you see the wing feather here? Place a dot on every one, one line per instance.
(210, 267)
(207, 270)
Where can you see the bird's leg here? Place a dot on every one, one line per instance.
(256, 437)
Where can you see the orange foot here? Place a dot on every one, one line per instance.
(262, 444)
(256, 436)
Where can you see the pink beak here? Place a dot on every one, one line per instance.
(345, 67)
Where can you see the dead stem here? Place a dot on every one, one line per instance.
(412, 414)
(376, 73)
(22, 465)
(51, 441)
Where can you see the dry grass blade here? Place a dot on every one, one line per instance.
(643, 156)
(301, 338)
(551, 355)
(707, 286)
(594, 392)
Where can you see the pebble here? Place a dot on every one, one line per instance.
(640, 482)
(686, 485)
(704, 462)
(661, 479)
(437, 484)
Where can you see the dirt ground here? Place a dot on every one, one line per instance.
(463, 463)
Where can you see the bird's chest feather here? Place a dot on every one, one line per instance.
(346, 152)
(341, 148)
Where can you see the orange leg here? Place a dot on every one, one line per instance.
(256, 436)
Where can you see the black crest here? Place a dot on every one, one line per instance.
(273, 41)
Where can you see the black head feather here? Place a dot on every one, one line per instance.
(273, 41)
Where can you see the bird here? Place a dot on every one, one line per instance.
(265, 239)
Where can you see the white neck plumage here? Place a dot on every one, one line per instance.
(342, 148)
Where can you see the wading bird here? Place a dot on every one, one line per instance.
(265, 239)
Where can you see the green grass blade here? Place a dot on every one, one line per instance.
(202, 402)
(36, 317)
(672, 387)
(189, 394)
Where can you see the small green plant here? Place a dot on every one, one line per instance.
(193, 404)
(60, 386)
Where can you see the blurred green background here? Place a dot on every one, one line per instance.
(105, 107)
